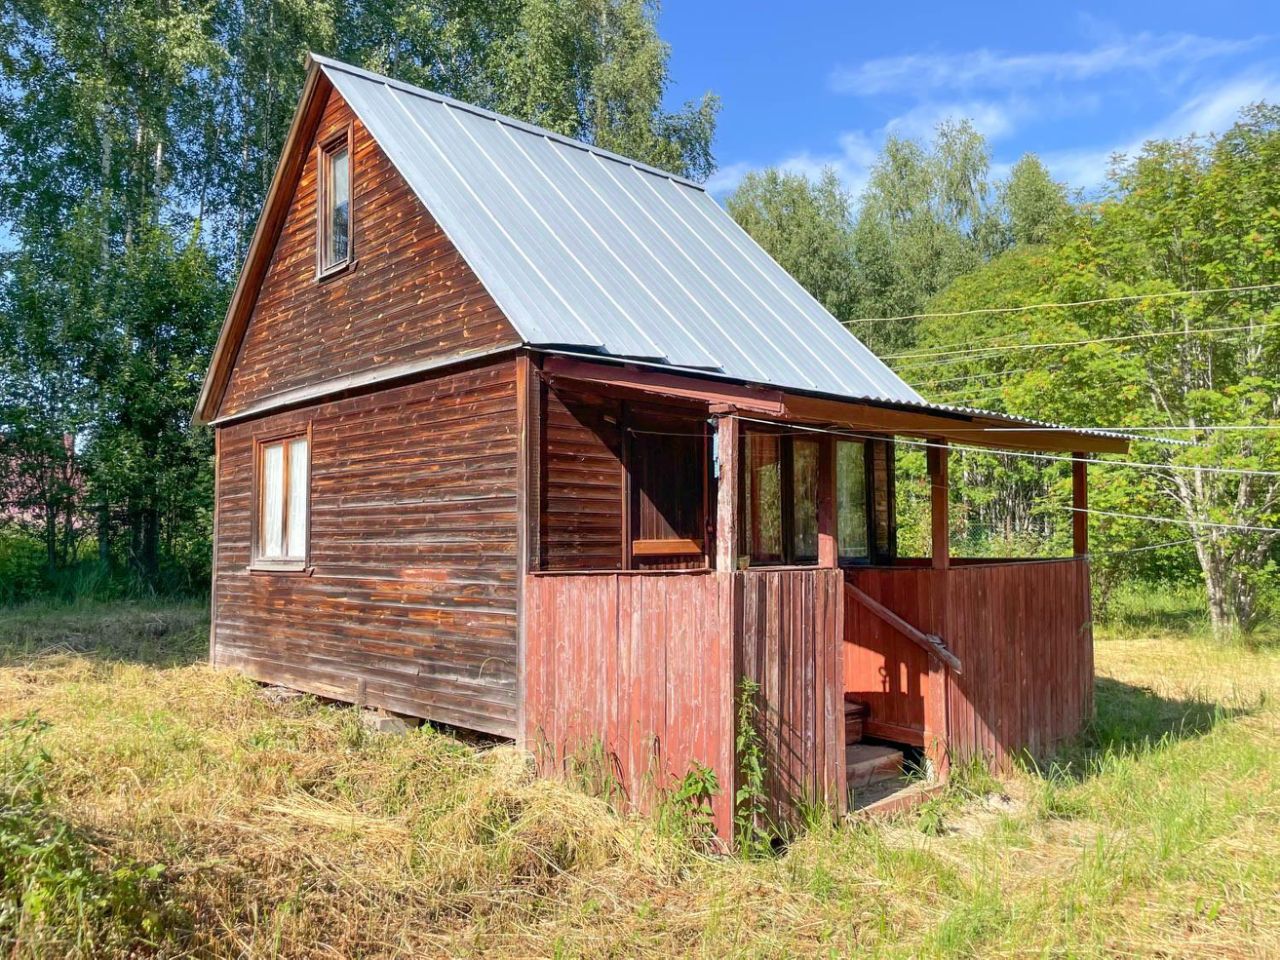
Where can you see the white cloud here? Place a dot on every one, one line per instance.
(990, 118)
(990, 70)
(1210, 110)
(727, 178)
(1214, 110)
(851, 160)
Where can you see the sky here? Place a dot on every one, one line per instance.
(810, 84)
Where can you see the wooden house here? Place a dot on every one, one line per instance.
(521, 436)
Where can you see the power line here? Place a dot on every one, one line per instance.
(1187, 523)
(1050, 428)
(981, 376)
(928, 355)
(987, 311)
(1234, 471)
(1153, 546)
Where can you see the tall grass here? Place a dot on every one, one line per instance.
(289, 830)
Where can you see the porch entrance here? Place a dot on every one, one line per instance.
(683, 548)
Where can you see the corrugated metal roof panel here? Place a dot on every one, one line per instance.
(582, 248)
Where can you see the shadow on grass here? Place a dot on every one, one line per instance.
(1132, 719)
(153, 634)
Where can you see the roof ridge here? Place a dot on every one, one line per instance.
(523, 126)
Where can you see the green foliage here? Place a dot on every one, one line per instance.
(592, 770)
(57, 895)
(685, 810)
(141, 138)
(1182, 215)
(807, 227)
(751, 828)
(22, 567)
(1035, 205)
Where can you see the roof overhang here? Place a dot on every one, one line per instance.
(968, 427)
(276, 204)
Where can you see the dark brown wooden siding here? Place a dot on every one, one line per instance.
(410, 296)
(411, 601)
(583, 483)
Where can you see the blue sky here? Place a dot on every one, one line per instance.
(809, 84)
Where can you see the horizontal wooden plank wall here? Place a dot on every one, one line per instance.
(582, 482)
(410, 296)
(410, 603)
(1024, 635)
(638, 664)
(790, 626)
(1022, 632)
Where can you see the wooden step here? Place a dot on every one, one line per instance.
(855, 715)
(867, 763)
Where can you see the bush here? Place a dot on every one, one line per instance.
(57, 896)
(23, 570)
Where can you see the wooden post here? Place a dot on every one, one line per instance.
(939, 499)
(727, 492)
(528, 514)
(1080, 504)
(937, 754)
(828, 532)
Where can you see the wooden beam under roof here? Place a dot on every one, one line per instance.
(982, 430)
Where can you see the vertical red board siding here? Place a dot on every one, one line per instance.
(635, 668)
(1023, 634)
(790, 624)
(409, 602)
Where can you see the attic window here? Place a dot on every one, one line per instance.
(334, 235)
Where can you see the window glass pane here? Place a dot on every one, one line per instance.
(762, 498)
(339, 197)
(271, 530)
(297, 526)
(804, 486)
(851, 499)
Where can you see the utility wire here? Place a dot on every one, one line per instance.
(1244, 527)
(988, 311)
(1185, 523)
(1236, 471)
(929, 355)
(1153, 546)
(979, 376)
(1051, 428)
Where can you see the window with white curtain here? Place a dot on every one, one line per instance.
(283, 480)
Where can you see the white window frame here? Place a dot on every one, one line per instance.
(285, 559)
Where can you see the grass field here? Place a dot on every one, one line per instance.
(150, 806)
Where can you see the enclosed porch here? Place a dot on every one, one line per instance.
(693, 541)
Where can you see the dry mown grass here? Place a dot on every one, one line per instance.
(287, 830)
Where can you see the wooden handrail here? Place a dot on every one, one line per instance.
(932, 644)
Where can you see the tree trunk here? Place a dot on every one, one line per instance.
(150, 560)
(104, 534)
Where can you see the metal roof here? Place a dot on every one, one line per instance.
(587, 250)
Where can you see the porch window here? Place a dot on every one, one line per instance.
(283, 482)
(779, 499)
(762, 498)
(804, 500)
(851, 501)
